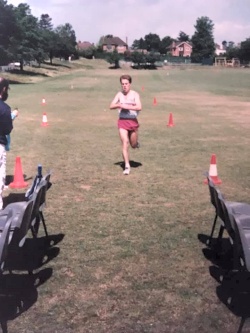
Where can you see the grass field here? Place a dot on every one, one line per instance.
(130, 260)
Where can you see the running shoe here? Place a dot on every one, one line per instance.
(126, 171)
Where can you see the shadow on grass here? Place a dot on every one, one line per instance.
(234, 286)
(35, 253)
(133, 164)
(219, 253)
(18, 82)
(28, 73)
(234, 292)
(57, 64)
(10, 178)
(18, 292)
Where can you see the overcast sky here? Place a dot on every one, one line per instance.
(134, 19)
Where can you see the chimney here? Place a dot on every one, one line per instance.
(127, 40)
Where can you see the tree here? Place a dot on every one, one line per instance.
(8, 29)
(139, 44)
(138, 58)
(183, 37)
(152, 42)
(113, 58)
(151, 58)
(49, 37)
(203, 39)
(165, 42)
(45, 22)
(27, 44)
(232, 52)
(87, 53)
(244, 52)
(66, 41)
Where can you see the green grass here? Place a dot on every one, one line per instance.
(130, 260)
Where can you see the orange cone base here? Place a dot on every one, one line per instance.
(44, 124)
(20, 184)
(215, 179)
(170, 125)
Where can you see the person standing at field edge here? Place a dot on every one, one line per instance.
(5, 129)
(129, 104)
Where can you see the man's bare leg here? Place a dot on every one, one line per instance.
(133, 139)
(125, 144)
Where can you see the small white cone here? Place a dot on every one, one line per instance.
(44, 120)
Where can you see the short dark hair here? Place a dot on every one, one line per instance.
(126, 77)
(3, 84)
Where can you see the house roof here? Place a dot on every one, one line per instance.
(177, 44)
(114, 41)
(84, 45)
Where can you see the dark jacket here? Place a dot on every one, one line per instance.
(5, 122)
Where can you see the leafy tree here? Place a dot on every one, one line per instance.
(87, 53)
(66, 41)
(183, 37)
(244, 52)
(152, 42)
(138, 58)
(139, 44)
(8, 29)
(232, 52)
(203, 40)
(151, 58)
(165, 42)
(45, 22)
(127, 55)
(27, 44)
(113, 58)
(49, 37)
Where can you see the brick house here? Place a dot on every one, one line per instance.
(81, 46)
(180, 49)
(110, 44)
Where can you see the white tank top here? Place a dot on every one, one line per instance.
(127, 114)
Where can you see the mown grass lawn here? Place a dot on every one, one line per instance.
(130, 260)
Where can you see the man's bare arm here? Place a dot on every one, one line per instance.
(115, 104)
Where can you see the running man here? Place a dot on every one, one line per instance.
(129, 104)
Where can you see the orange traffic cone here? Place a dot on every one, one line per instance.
(44, 120)
(43, 101)
(154, 102)
(142, 88)
(18, 181)
(213, 171)
(170, 121)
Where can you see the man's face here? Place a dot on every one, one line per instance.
(125, 85)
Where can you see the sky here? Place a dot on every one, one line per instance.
(133, 19)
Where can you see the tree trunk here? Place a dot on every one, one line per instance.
(21, 65)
